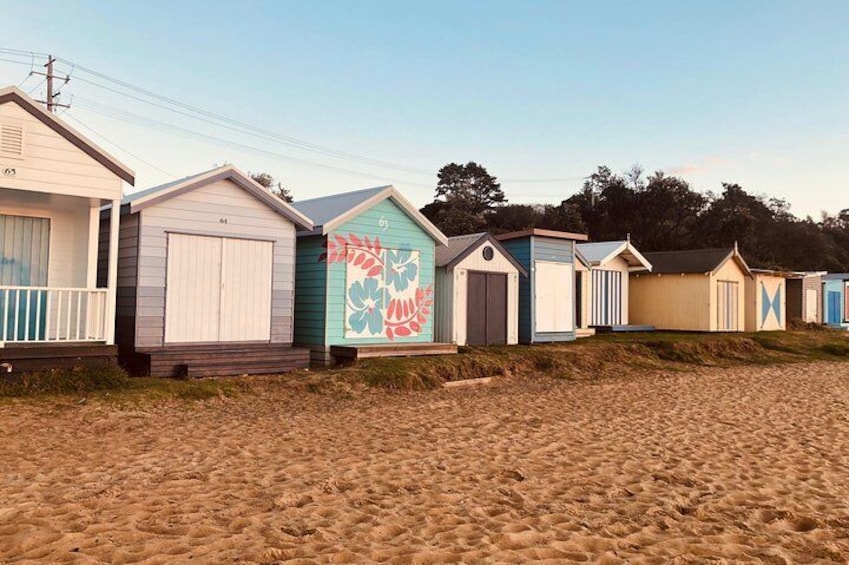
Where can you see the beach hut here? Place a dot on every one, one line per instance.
(766, 297)
(53, 181)
(696, 290)
(610, 266)
(583, 290)
(836, 300)
(477, 292)
(804, 297)
(206, 278)
(365, 277)
(547, 305)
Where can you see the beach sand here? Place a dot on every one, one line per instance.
(715, 465)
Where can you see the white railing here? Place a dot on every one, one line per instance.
(32, 314)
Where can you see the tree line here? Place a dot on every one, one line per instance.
(660, 212)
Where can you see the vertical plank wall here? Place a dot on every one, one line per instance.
(521, 250)
(396, 230)
(128, 244)
(557, 251)
(311, 297)
(729, 272)
(201, 211)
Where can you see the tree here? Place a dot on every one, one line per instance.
(465, 196)
(275, 188)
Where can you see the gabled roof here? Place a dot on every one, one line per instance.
(330, 212)
(461, 246)
(542, 233)
(599, 253)
(144, 198)
(78, 140)
(695, 260)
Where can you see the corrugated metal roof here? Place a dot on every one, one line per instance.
(152, 190)
(600, 250)
(690, 261)
(326, 208)
(456, 246)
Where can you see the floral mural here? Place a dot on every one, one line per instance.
(383, 296)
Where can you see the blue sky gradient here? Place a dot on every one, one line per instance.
(753, 92)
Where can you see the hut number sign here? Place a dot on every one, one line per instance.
(9, 171)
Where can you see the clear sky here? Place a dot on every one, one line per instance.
(753, 92)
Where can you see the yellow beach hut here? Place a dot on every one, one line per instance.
(696, 290)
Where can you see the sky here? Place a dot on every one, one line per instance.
(367, 93)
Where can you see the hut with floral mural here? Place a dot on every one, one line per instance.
(365, 276)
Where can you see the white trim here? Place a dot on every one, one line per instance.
(622, 248)
(93, 240)
(33, 105)
(227, 172)
(406, 205)
(112, 271)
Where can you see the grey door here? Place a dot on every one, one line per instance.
(486, 309)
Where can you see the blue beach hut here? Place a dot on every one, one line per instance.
(364, 277)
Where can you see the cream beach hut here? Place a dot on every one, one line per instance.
(53, 182)
(477, 292)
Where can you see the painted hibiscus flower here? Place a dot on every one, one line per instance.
(402, 268)
(366, 299)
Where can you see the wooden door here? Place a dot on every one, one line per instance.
(476, 303)
(833, 310)
(553, 288)
(218, 289)
(486, 309)
(246, 290)
(727, 306)
(811, 305)
(606, 298)
(496, 309)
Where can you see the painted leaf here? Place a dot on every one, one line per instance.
(428, 302)
(402, 331)
(419, 295)
(377, 246)
(415, 327)
(405, 308)
(421, 319)
(355, 240)
(340, 239)
(429, 290)
(391, 310)
(368, 263)
(390, 334)
(367, 241)
(360, 257)
(425, 310)
(374, 271)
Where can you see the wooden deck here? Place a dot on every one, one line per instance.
(354, 352)
(628, 328)
(40, 357)
(216, 360)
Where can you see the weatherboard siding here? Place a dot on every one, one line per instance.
(52, 164)
(396, 230)
(310, 291)
(529, 250)
(671, 301)
(521, 251)
(220, 209)
(729, 272)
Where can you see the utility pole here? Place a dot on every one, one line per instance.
(50, 102)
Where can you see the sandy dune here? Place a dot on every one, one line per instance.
(740, 465)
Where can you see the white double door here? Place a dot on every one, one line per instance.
(218, 289)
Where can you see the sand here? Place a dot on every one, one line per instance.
(716, 465)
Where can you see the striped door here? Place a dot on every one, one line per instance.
(606, 298)
(218, 289)
(24, 250)
(727, 303)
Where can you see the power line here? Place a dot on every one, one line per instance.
(79, 123)
(196, 113)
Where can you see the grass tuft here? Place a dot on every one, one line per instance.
(64, 381)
